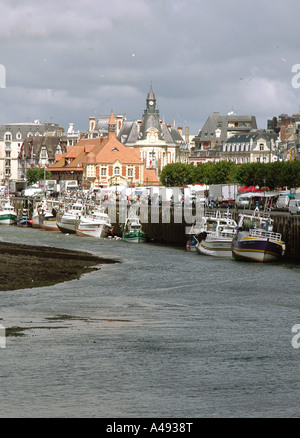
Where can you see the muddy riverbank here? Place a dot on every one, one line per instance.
(24, 266)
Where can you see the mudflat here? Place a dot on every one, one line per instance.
(24, 266)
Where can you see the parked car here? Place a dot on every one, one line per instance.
(294, 206)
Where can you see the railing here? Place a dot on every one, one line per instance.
(254, 232)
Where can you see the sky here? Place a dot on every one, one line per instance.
(64, 61)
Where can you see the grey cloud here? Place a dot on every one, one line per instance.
(71, 59)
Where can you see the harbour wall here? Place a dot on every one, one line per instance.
(170, 226)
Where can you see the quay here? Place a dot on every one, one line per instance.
(169, 225)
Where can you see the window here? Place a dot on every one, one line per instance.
(130, 172)
(103, 171)
(261, 146)
(43, 154)
(117, 170)
(7, 137)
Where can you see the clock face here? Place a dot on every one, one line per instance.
(151, 102)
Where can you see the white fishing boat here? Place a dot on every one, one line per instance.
(255, 239)
(8, 215)
(132, 229)
(66, 220)
(94, 224)
(216, 237)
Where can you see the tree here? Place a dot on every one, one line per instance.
(177, 174)
(34, 175)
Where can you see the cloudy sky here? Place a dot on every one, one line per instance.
(67, 60)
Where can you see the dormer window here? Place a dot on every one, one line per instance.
(115, 149)
(43, 154)
(117, 170)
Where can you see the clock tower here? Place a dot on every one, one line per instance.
(151, 101)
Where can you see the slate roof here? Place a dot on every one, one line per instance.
(34, 128)
(215, 121)
(38, 142)
(130, 132)
(254, 135)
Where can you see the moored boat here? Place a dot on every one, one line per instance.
(8, 215)
(66, 220)
(95, 224)
(255, 240)
(216, 237)
(132, 230)
(24, 219)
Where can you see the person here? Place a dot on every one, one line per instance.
(217, 202)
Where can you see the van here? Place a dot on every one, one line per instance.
(294, 206)
(243, 202)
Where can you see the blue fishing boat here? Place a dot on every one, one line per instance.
(24, 220)
(255, 240)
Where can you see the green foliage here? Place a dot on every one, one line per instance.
(34, 175)
(177, 174)
(272, 175)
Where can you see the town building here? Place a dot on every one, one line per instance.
(158, 143)
(39, 151)
(12, 136)
(217, 129)
(253, 147)
(103, 161)
(288, 129)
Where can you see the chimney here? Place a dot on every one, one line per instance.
(187, 134)
(180, 130)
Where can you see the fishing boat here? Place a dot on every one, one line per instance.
(255, 240)
(37, 213)
(216, 236)
(24, 219)
(132, 230)
(95, 224)
(48, 216)
(194, 232)
(66, 220)
(8, 215)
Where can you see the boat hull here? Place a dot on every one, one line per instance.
(66, 227)
(191, 244)
(257, 249)
(133, 237)
(215, 247)
(24, 222)
(49, 225)
(66, 224)
(8, 219)
(93, 230)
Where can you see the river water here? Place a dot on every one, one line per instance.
(165, 333)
